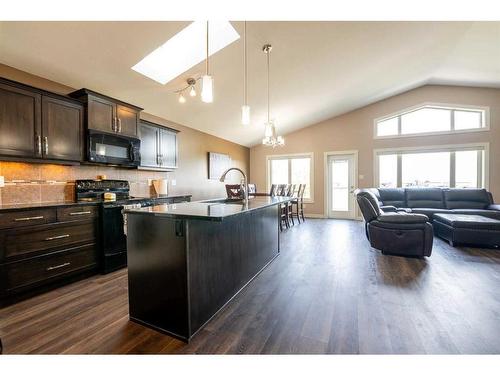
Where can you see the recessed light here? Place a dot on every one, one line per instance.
(185, 49)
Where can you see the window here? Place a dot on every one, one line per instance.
(455, 166)
(432, 118)
(291, 169)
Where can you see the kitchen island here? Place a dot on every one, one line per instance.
(186, 261)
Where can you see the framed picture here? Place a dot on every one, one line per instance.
(217, 164)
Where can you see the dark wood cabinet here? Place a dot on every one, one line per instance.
(159, 148)
(107, 114)
(150, 138)
(20, 122)
(168, 148)
(45, 247)
(36, 125)
(101, 114)
(128, 119)
(62, 125)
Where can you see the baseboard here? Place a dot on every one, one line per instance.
(315, 216)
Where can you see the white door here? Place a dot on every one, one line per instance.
(341, 173)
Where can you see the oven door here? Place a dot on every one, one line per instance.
(113, 149)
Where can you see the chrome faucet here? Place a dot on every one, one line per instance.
(245, 185)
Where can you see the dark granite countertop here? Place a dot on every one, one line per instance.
(29, 206)
(216, 209)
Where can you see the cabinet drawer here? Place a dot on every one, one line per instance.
(77, 213)
(45, 268)
(32, 241)
(26, 218)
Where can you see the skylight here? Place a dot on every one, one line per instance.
(186, 49)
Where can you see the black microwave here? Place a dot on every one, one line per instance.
(115, 149)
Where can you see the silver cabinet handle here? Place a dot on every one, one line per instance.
(39, 144)
(58, 266)
(57, 237)
(29, 218)
(46, 142)
(80, 213)
(119, 125)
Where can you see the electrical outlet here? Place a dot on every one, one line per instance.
(173, 182)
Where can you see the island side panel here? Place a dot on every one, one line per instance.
(224, 256)
(157, 273)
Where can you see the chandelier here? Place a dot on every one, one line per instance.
(270, 136)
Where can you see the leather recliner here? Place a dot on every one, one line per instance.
(397, 232)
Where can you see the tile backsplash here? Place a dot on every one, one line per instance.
(35, 183)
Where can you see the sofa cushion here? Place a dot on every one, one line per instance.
(403, 218)
(471, 211)
(368, 203)
(392, 197)
(425, 198)
(466, 198)
(429, 212)
(468, 221)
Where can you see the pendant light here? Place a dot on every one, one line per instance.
(207, 82)
(245, 108)
(270, 136)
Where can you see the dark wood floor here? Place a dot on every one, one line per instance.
(328, 292)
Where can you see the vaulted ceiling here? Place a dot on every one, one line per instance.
(318, 69)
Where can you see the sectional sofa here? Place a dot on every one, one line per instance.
(402, 221)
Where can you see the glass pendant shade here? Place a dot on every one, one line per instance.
(269, 130)
(245, 114)
(207, 83)
(182, 99)
(192, 91)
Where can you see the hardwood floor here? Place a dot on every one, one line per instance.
(328, 292)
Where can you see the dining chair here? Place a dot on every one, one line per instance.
(289, 210)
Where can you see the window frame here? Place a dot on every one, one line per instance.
(288, 157)
(485, 119)
(483, 173)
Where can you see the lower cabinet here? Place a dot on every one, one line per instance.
(37, 253)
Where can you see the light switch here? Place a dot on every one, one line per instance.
(173, 182)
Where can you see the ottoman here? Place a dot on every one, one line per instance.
(467, 229)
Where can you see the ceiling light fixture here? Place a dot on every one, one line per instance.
(245, 108)
(185, 50)
(191, 82)
(182, 98)
(207, 81)
(270, 136)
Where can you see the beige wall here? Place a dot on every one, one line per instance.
(354, 131)
(53, 182)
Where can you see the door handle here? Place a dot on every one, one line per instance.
(80, 213)
(29, 218)
(39, 144)
(57, 237)
(58, 266)
(46, 143)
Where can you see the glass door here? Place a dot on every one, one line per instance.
(341, 185)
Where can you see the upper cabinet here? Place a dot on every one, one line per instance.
(39, 125)
(62, 129)
(158, 146)
(20, 122)
(109, 115)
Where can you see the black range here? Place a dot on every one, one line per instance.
(113, 241)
